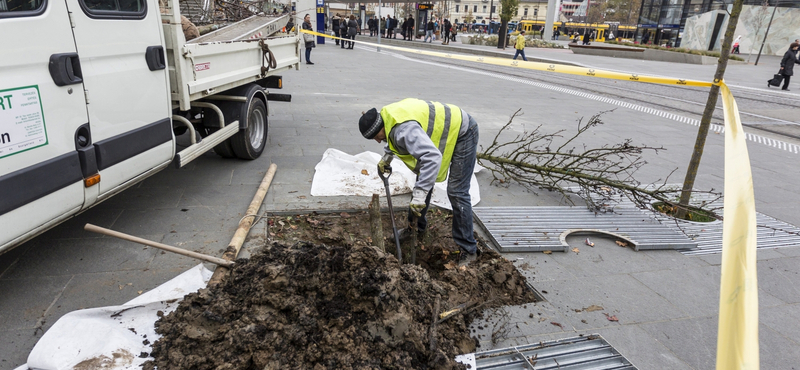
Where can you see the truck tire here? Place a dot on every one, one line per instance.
(225, 149)
(250, 142)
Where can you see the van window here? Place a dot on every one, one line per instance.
(124, 9)
(20, 8)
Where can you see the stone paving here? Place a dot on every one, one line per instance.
(666, 302)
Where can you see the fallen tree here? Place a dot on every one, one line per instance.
(534, 159)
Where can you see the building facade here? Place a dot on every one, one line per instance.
(663, 22)
(485, 11)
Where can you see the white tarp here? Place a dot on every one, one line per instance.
(112, 337)
(339, 173)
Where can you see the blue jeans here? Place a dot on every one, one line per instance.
(520, 52)
(428, 34)
(308, 55)
(461, 167)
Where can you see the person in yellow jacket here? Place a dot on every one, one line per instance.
(431, 138)
(520, 46)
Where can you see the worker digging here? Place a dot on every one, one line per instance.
(431, 138)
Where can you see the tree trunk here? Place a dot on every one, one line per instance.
(375, 224)
(501, 35)
(711, 104)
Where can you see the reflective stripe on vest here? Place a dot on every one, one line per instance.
(441, 122)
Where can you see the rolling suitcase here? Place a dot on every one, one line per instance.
(776, 80)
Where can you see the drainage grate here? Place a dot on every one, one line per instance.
(586, 353)
(536, 229)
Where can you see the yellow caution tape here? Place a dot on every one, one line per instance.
(737, 337)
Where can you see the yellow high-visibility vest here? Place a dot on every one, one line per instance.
(441, 122)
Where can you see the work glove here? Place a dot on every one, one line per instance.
(417, 201)
(384, 162)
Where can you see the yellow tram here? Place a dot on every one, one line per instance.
(601, 30)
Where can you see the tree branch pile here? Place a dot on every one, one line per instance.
(539, 160)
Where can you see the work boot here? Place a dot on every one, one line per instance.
(465, 258)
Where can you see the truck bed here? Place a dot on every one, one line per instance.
(227, 58)
(257, 26)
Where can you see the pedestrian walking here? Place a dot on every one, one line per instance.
(520, 46)
(446, 32)
(309, 39)
(735, 49)
(335, 26)
(429, 31)
(787, 67)
(555, 34)
(343, 31)
(646, 37)
(430, 138)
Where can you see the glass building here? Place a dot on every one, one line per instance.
(661, 22)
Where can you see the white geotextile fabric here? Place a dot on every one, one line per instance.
(339, 173)
(112, 337)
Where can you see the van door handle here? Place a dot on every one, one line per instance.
(155, 57)
(65, 69)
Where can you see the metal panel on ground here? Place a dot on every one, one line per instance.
(590, 352)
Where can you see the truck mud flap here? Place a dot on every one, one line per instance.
(279, 97)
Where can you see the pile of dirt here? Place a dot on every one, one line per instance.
(342, 304)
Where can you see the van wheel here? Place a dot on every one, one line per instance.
(250, 143)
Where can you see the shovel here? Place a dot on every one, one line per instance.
(385, 178)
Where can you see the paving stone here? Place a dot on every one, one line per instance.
(780, 279)
(619, 295)
(76, 256)
(217, 196)
(144, 198)
(538, 267)
(694, 291)
(73, 228)
(15, 348)
(783, 319)
(26, 300)
(692, 340)
(107, 289)
(642, 350)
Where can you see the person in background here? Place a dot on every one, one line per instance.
(360, 24)
(371, 26)
(335, 26)
(410, 28)
(352, 30)
(429, 31)
(787, 64)
(389, 26)
(446, 26)
(736, 45)
(555, 34)
(520, 46)
(309, 44)
(343, 27)
(383, 27)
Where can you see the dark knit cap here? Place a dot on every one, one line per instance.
(370, 123)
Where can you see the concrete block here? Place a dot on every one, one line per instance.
(26, 300)
(16, 347)
(693, 340)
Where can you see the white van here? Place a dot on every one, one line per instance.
(93, 92)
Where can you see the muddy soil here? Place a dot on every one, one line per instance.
(320, 296)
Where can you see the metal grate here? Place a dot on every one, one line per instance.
(533, 229)
(590, 352)
(536, 229)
